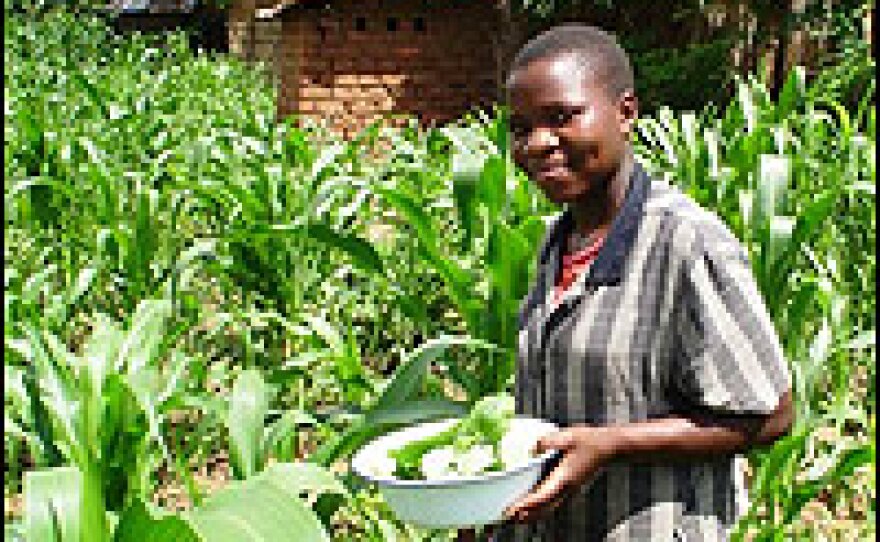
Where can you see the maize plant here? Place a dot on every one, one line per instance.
(172, 247)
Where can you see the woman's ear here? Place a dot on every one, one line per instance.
(628, 111)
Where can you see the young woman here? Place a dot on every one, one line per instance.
(644, 336)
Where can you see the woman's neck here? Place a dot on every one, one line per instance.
(593, 215)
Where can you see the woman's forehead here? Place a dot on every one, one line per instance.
(555, 80)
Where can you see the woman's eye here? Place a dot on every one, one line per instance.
(563, 117)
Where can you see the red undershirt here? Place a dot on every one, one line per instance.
(574, 264)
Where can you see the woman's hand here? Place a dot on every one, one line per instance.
(584, 451)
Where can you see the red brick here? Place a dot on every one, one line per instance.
(363, 73)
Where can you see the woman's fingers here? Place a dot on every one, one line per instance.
(557, 440)
(581, 458)
(546, 492)
(527, 515)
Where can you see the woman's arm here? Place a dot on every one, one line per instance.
(697, 435)
(586, 449)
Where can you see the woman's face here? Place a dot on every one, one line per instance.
(568, 133)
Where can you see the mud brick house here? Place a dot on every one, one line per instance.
(349, 62)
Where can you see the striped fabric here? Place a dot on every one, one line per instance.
(667, 320)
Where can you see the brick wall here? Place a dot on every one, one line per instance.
(360, 59)
(349, 62)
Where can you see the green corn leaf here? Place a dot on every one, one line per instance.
(328, 156)
(285, 428)
(458, 281)
(14, 388)
(378, 421)
(791, 97)
(86, 277)
(850, 460)
(416, 411)
(362, 252)
(408, 376)
(780, 229)
(54, 504)
(493, 186)
(844, 122)
(464, 193)
(264, 507)
(396, 392)
(90, 90)
(807, 228)
(863, 341)
(14, 531)
(773, 181)
(144, 336)
(248, 406)
(54, 398)
(102, 346)
(185, 266)
(36, 283)
(326, 331)
(261, 508)
(300, 478)
(139, 523)
(773, 463)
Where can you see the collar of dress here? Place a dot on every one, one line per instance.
(607, 269)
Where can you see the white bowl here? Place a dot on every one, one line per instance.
(465, 501)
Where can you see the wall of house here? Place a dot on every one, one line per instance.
(358, 60)
(351, 61)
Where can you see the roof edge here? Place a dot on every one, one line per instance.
(276, 10)
(282, 5)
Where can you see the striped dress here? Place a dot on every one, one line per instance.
(666, 321)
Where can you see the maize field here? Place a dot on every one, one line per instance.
(208, 309)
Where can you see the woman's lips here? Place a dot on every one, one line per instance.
(552, 172)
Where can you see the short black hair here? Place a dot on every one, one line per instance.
(590, 45)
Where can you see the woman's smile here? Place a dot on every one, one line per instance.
(553, 172)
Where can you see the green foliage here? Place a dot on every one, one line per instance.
(251, 439)
(397, 403)
(682, 77)
(103, 409)
(265, 507)
(54, 504)
(484, 260)
(682, 61)
(172, 249)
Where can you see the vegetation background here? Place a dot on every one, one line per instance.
(207, 308)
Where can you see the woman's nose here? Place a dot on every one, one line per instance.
(541, 139)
